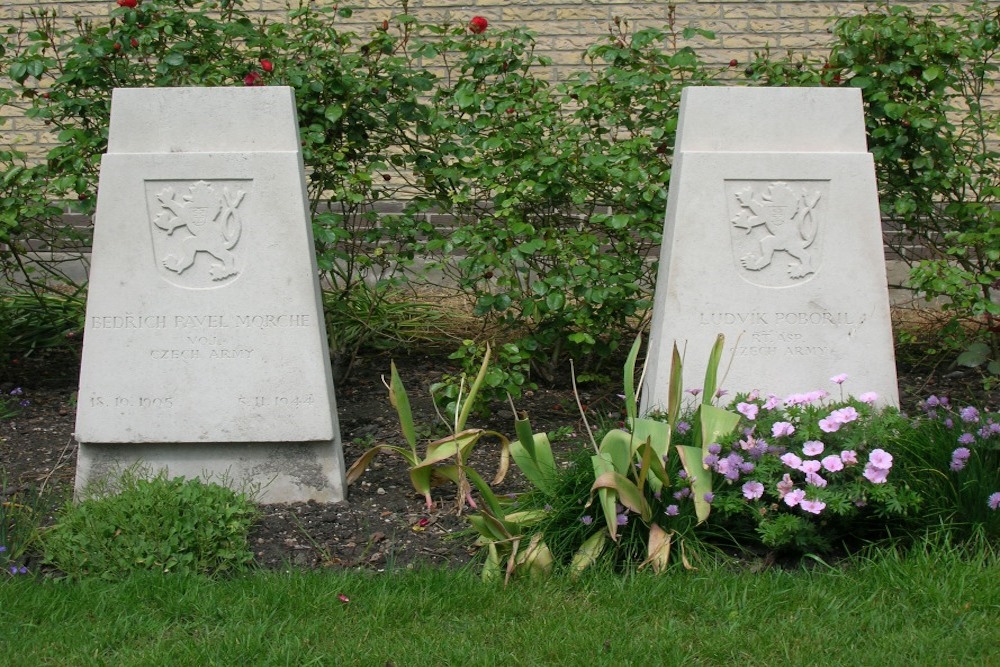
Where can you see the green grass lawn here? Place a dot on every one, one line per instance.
(933, 607)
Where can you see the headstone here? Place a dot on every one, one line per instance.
(773, 238)
(205, 349)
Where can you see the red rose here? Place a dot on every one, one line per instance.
(734, 62)
(478, 25)
(134, 42)
(131, 4)
(266, 65)
(253, 79)
(117, 47)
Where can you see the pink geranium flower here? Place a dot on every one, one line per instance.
(815, 480)
(748, 410)
(810, 466)
(753, 490)
(772, 402)
(793, 498)
(813, 506)
(812, 448)
(845, 415)
(780, 429)
(785, 486)
(849, 457)
(876, 475)
(839, 379)
(832, 463)
(868, 397)
(791, 460)
(880, 459)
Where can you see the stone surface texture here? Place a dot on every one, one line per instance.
(773, 238)
(205, 346)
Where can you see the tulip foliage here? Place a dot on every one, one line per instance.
(630, 476)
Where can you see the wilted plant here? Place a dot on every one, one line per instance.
(443, 458)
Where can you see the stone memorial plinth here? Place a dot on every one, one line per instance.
(205, 348)
(773, 238)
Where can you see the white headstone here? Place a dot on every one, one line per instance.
(205, 348)
(773, 238)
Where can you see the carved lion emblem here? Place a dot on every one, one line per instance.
(778, 218)
(201, 220)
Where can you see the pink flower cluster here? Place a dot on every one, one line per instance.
(879, 464)
(811, 467)
(797, 497)
(805, 399)
(837, 418)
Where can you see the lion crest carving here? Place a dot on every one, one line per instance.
(212, 223)
(788, 216)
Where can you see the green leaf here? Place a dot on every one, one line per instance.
(652, 461)
(657, 433)
(616, 446)
(473, 390)
(608, 497)
(628, 493)
(675, 391)
(629, 379)
(712, 370)
(716, 423)
(491, 568)
(555, 300)
(975, 355)
(334, 112)
(699, 477)
(18, 72)
(532, 453)
(399, 400)
(174, 59)
(588, 553)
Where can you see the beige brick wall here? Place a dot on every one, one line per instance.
(564, 28)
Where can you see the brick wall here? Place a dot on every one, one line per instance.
(564, 28)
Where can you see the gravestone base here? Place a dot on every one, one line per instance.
(278, 472)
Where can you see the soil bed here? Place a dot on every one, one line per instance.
(384, 523)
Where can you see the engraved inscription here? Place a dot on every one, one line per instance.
(196, 229)
(207, 321)
(304, 401)
(775, 229)
(128, 322)
(754, 318)
(157, 402)
(782, 334)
